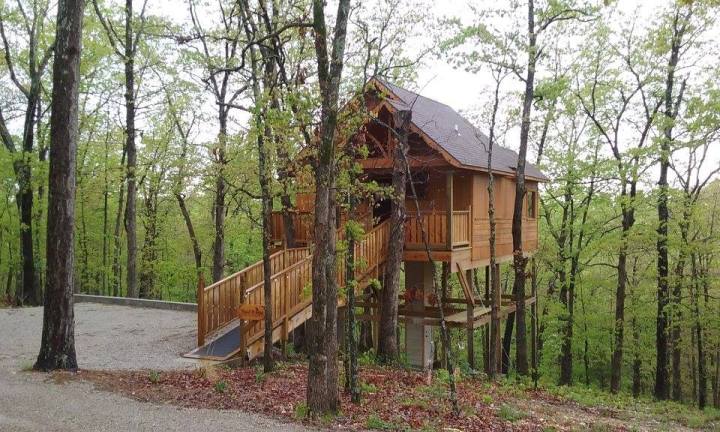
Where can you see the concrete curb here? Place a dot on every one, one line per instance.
(133, 302)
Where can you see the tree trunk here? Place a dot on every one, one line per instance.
(507, 343)
(697, 328)
(619, 333)
(149, 249)
(493, 272)
(387, 341)
(197, 251)
(218, 269)
(57, 349)
(671, 107)
(519, 260)
(322, 385)
(130, 211)
(264, 170)
(350, 285)
(366, 336)
(106, 192)
(117, 268)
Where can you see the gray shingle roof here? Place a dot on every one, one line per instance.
(456, 135)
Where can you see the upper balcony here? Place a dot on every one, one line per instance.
(444, 232)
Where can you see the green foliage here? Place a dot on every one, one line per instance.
(260, 374)
(221, 386)
(154, 377)
(367, 388)
(375, 422)
(510, 413)
(301, 411)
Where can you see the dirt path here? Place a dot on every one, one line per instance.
(107, 337)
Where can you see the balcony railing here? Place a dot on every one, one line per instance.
(435, 224)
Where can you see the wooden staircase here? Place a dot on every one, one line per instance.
(222, 335)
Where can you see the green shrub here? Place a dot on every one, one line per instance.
(368, 388)
(301, 411)
(154, 377)
(221, 386)
(510, 413)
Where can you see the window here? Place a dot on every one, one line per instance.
(531, 204)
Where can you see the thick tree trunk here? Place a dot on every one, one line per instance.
(387, 341)
(57, 349)
(322, 385)
(130, 211)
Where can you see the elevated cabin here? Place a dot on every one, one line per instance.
(448, 158)
(449, 168)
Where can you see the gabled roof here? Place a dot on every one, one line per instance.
(463, 142)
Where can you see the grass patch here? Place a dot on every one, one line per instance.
(221, 386)
(301, 411)
(415, 403)
(664, 411)
(510, 413)
(375, 422)
(154, 377)
(368, 388)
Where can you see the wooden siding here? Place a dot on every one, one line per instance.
(504, 201)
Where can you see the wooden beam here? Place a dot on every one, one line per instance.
(469, 296)
(449, 193)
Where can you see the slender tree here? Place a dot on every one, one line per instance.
(29, 291)
(125, 46)
(671, 100)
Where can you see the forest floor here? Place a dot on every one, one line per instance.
(132, 378)
(399, 399)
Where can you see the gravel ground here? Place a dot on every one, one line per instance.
(107, 337)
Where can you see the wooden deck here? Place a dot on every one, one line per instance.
(454, 316)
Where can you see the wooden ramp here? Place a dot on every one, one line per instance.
(221, 335)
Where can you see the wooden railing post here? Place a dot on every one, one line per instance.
(470, 225)
(201, 327)
(449, 192)
(241, 325)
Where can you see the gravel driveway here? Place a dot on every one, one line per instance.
(107, 337)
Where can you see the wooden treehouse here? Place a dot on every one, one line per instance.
(448, 164)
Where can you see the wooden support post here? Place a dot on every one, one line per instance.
(202, 323)
(486, 341)
(471, 322)
(449, 193)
